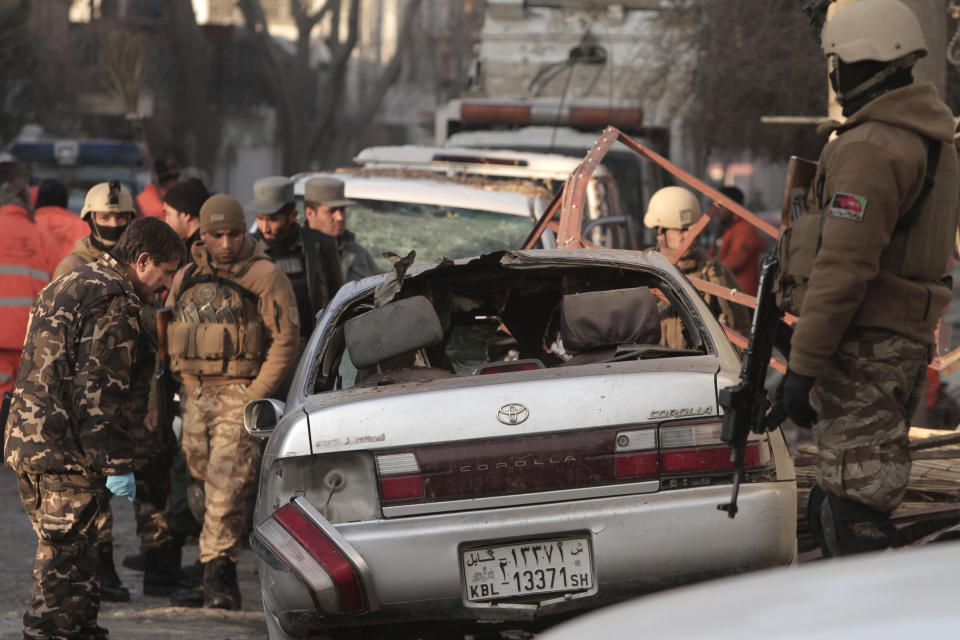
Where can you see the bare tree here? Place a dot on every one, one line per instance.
(756, 62)
(16, 58)
(736, 61)
(312, 121)
(190, 116)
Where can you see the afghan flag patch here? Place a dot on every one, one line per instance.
(848, 205)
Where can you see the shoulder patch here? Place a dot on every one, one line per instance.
(848, 206)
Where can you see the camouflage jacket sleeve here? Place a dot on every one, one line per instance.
(281, 321)
(105, 358)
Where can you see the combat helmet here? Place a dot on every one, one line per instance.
(882, 32)
(672, 208)
(110, 197)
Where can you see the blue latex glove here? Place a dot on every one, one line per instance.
(122, 485)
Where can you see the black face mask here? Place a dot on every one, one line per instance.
(104, 238)
(846, 77)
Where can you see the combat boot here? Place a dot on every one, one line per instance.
(163, 575)
(189, 597)
(111, 589)
(220, 588)
(851, 527)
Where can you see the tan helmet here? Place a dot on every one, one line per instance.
(882, 30)
(110, 197)
(672, 208)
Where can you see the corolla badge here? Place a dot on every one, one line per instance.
(513, 414)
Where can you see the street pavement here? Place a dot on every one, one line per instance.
(144, 617)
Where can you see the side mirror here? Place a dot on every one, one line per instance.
(260, 417)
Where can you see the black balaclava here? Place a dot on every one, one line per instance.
(857, 83)
(104, 238)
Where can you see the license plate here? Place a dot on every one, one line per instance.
(511, 570)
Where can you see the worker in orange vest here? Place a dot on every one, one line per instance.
(51, 213)
(26, 261)
(150, 200)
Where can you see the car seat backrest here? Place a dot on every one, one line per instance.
(392, 330)
(606, 319)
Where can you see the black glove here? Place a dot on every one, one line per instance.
(796, 399)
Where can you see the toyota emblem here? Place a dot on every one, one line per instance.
(513, 414)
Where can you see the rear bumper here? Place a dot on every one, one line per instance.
(640, 543)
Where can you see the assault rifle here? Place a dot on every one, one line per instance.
(166, 386)
(745, 404)
(4, 414)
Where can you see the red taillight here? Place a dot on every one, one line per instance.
(635, 455)
(301, 543)
(635, 465)
(399, 477)
(696, 449)
(706, 459)
(330, 558)
(401, 487)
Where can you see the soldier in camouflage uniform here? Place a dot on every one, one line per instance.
(234, 336)
(671, 212)
(106, 226)
(107, 221)
(862, 266)
(87, 364)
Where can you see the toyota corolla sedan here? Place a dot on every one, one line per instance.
(505, 439)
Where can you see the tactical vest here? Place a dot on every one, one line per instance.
(799, 243)
(301, 264)
(217, 329)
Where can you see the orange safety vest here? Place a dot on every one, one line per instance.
(150, 201)
(26, 260)
(64, 228)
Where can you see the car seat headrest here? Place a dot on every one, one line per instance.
(392, 330)
(597, 319)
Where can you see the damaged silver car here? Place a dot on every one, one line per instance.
(505, 438)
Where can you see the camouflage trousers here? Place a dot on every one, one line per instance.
(223, 457)
(864, 400)
(153, 488)
(66, 590)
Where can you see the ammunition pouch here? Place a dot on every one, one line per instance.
(216, 348)
(797, 250)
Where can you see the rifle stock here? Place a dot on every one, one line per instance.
(4, 414)
(745, 404)
(166, 386)
(800, 175)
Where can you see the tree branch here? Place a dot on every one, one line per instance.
(336, 78)
(391, 73)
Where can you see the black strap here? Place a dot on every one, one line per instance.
(933, 159)
(189, 280)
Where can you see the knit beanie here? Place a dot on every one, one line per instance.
(222, 213)
(187, 197)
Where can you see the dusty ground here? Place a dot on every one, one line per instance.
(143, 618)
